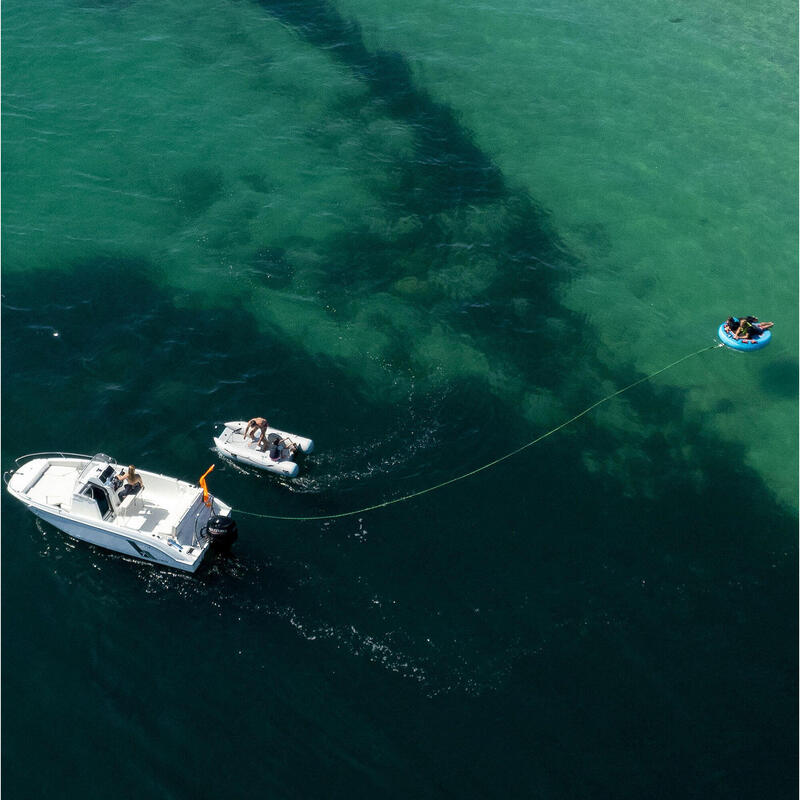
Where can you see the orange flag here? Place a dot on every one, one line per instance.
(202, 483)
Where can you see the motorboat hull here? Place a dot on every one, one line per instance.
(162, 524)
(113, 540)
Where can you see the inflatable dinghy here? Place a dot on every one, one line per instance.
(744, 345)
(278, 456)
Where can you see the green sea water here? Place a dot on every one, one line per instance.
(422, 234)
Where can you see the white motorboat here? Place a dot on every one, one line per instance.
(278, 457)
(168, 521)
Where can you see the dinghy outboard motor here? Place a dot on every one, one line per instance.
(222, 531)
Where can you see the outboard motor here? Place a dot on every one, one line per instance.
(222, 531)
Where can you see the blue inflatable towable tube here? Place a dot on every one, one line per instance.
(748, 345)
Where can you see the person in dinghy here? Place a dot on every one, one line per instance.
(276, 445)
(272, 450)
(256, 424)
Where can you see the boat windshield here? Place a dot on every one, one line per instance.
(100, 460)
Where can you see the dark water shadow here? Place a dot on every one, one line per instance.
(447, 177)
(448, 169)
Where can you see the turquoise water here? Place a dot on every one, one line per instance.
(422, 234)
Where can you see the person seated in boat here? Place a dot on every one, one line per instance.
(272, 442)
(276, 446)
(749, 328)
(256, 424)
(132, 482)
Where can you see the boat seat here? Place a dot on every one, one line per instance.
(132, 504)
(41, 469)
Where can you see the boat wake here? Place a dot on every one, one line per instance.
(351, 462)
(439, 665)
(439, 668)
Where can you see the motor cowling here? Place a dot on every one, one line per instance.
(222, 531)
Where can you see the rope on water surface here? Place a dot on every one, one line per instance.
(491, 463)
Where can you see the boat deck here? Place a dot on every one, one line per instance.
(161, 509)
(146, 514)
(162, 523)
(54, 486)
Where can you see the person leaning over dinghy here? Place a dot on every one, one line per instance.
(256, 424)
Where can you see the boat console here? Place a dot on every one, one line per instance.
(99, 483)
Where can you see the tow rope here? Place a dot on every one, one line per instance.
(496, 461)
